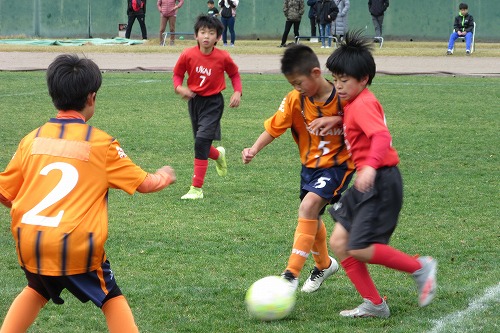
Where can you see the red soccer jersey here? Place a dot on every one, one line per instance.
(364, 117)
(206, 71)
(58, 183)
(315, 151)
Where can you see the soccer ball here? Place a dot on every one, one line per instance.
(270, 298)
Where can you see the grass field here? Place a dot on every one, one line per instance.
(390, 48)
(185, 266)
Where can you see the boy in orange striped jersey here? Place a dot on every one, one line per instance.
(205, 66)
(57, 188)
(326, 165)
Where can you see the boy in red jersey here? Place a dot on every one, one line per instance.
(326, 165)
(205, 66)
(367, 213)
(57, 188)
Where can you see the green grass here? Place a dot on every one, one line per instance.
(267, 47)
(185, 266)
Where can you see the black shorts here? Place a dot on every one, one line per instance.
(206, 113)
(97, 286)
(371, 217)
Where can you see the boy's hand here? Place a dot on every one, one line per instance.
(234, 102)
(169, 171)
(365, 179)
(324, 124)
(185, 92)
(247, 155)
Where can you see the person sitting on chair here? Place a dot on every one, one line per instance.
(463, 27)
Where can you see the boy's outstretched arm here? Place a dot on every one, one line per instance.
(157, 181)
(324, 124)
(263, 140)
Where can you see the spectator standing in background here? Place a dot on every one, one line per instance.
(228, 19)
(293, 10)
(168, 13)
(312, 16)
(340, 25)
(140, 15)
(377, 9)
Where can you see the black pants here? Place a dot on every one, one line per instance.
(142, 23)
(288, 26)
(312, 20)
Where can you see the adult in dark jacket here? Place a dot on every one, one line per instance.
(312, 16)
(377, 9)
(462, 27)
(140, 15)
(293, 11)
(326, 13)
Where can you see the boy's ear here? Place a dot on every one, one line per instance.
(91, 99)
(316, 71)
(364, 80)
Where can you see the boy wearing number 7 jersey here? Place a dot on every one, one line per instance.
(205, 66)
(326, 165)
(57, 188)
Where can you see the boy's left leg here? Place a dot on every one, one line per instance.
(468, 42)
(119, 316)
(23, 311)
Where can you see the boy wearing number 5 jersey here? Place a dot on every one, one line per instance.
(326, 165)
(205, 66)
(57, 188)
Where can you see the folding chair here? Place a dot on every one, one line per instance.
(473, 44)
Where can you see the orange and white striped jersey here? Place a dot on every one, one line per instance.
(316, 151)
(58, 183)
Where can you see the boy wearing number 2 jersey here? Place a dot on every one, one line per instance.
(326, 165)
(57, 188)
(205, 66)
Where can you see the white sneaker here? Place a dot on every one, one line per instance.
(322, 46)
(317, 276)
(425, 278)
(368, 309)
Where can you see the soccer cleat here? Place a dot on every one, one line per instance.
(467, 52)
(220, 163)
(449, 52)
(368, 309)
(193, 193)
(294, 282)
(318, 276)
(425, 278)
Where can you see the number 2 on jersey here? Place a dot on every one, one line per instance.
(68, 181)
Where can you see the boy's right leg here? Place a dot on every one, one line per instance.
(451, 42)
(23, 311)
(118, 315)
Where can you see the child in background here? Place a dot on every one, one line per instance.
(367, 213)
(463, 26)
(326, 165)
(212, 10)
(205, 65)
(57, 187)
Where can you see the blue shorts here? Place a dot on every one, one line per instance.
(371, 217)
(97, 286)
(328, 183)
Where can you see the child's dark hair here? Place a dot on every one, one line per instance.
(353, 57)
(210, 22)
(463, 6)
(211, 2)
(70, 80)
(299, 59)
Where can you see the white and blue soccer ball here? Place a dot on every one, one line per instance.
(270, 298)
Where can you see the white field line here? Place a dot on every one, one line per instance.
(455, 319)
